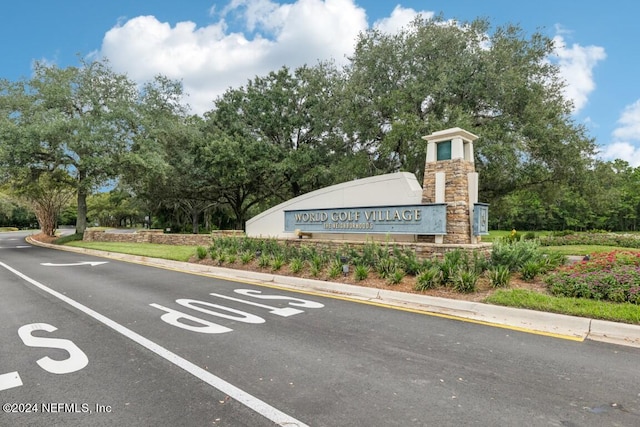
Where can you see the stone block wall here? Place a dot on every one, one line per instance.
(148, 236)
(422, 250)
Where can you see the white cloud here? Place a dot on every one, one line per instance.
(576, 68)
(209, 60)
(629, 123)
(400, 17)
(626, 137)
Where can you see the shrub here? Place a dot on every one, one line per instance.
(428, 279)
(335, 269)
(386, 267)
(246, 257)
(222, 257)
(409, 262)
(465, 281)
(396, 277)
(201, 252)
(499, 276)
(613, 276)
(277, 262)
(361, 272)
(296, 265)
(264, 261)
(314, 269)
(530, 270)
(514, 255)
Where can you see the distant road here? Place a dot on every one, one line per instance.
(93, 341)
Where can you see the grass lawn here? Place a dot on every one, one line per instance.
(522, 298)
(152, 250)
(584, 249)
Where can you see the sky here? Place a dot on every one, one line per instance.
(213, 45)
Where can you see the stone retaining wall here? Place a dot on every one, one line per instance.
(422, 250)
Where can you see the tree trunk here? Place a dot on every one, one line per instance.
(195, 223)
(81, 221)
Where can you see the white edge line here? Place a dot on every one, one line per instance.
(253, 403)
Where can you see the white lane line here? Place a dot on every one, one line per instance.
(253, 403)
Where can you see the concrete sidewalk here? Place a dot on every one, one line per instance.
(568, 327)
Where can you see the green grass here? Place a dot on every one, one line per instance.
(497, 234)
(153, 250)
(583, 249)
(6, 229)
(522, 298)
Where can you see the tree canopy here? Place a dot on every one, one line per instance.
(296, 130)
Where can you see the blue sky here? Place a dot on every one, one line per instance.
(214, 45)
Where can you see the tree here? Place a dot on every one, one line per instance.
(79, 119)
(500, 85)
(47, 194)
(297, 115)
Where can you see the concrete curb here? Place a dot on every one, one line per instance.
(572, 327)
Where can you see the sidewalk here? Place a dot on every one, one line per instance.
(567, 327)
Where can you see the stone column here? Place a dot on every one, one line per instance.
(450, 177)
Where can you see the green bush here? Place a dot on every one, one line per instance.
(386, 267)
(515, 254)
(499, 276)
(361, 272)
(246, 257)
(465, 281)
(277, 262)
(264, 261)
(335, 269)
(530, 270)
(396, 277)
(296, 265)
(428, 279)
(201, 252)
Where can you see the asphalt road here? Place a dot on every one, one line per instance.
(93, 341)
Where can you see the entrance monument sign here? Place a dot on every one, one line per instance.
(405, 219)
(444, 211)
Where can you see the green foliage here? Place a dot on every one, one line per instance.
(592, 309)
(69, 238)
(386, 267)
(296, 265)
(409, 262)
(221, 257)
(396, 277)
(201, 252)
(604, 239)
(361, 272)
(530, 269)
(246, 257)
(277, 262)
(335, 269)
(499, 276)
(515, 254)
(264, 261)
(465, 281)
(613, 276)
(314, 268)
(428, 279)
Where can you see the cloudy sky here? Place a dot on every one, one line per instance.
(214, 45)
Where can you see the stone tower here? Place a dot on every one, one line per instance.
(450, 177)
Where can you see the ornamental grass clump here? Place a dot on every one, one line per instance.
(612, 276)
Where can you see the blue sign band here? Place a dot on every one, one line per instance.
(427, 219)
